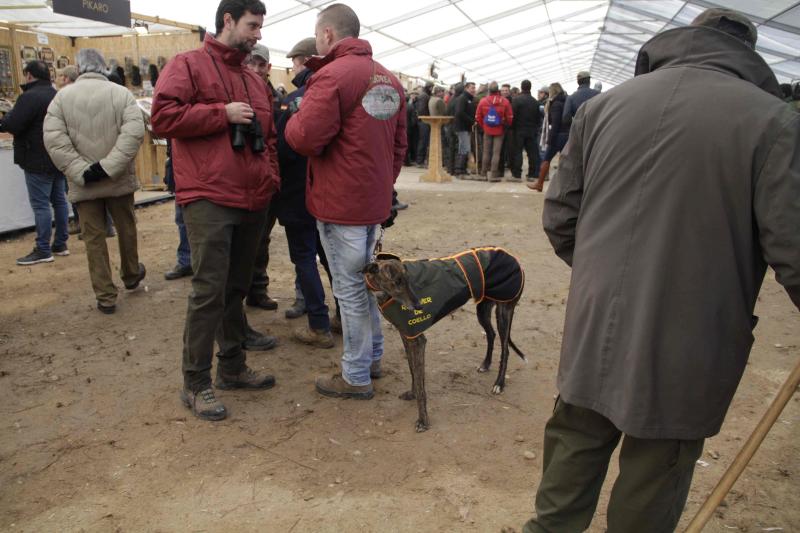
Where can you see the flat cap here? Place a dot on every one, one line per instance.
(584, 74)
(261, 51)
(307, 47)
(729, 21)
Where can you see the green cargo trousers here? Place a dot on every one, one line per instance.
(223, 241)
(92, 214)
(648, 495)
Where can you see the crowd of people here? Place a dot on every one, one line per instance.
(495, 125)
(667, 218)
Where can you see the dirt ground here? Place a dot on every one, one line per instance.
(94, 437)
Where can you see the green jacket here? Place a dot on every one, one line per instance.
(443, 285)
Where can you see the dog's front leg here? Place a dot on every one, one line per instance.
(416, 359)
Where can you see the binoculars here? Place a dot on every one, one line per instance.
(241, 133)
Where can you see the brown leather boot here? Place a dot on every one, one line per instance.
(204, 404)
(336, 387)
(539, 185)
(247, 378)
(314, 337)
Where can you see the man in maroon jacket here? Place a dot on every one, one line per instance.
(352, 126)
(219, 117)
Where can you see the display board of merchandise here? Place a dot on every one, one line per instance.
(44, 53)
(6, 72)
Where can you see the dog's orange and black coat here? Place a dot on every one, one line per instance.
(443, 285)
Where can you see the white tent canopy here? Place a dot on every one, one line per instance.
(38, 15)
(543, 41)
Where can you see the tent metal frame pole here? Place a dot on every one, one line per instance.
(164, 22)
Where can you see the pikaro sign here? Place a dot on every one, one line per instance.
(117, 12)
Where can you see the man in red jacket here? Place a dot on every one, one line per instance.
(495, 116)
(352, 126)
(219, 117)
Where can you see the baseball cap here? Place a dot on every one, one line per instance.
(261, 51)
(584, 74)
(307, 47)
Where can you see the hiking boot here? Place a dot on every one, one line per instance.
(375, 371)
(73, 227)
(336, 324)
(178, 272)
(336, 387)
(36, 256)
(139, 278)
(297, 310)
(261, 300)
(204, 404)
(246, 379)
(60, 250)
(314, 337)
(258, 342)
(107, 309)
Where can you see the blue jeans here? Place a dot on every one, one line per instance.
(348, 249)
(302, 240)
(463, 142)
(184, 251)
(44, 191)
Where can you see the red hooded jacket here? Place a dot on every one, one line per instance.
(189, 108)
(503, 108)
(352, 126)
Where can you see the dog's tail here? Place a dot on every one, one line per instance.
(514, 347)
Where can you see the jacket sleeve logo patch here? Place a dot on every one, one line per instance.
(381, 102)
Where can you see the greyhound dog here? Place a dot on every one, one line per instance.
(413, 295)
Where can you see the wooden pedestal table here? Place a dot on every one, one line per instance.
(435, 172)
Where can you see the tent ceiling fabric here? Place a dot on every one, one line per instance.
(38, 16)
(543, 41)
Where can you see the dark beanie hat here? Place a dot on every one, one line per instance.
(729, 21)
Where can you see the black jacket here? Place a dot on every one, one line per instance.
(290, 202)
(464, 112)
(555, 119)
(25, 121)
(526, 113)
(451, 104)
(421, 104)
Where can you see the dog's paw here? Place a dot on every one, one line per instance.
(497, 389)
(422, 426)
(408, 395)
(482, 369)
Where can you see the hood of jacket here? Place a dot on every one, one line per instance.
(706, 48)
(345, 47)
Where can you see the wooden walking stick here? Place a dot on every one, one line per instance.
(746, 453)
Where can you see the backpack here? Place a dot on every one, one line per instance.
(492, 117)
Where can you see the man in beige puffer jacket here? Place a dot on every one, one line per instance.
(92, 132)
